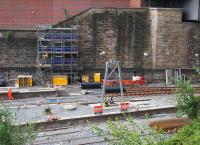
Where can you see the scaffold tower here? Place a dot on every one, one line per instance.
(57, 50)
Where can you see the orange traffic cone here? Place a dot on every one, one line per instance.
(10, 96)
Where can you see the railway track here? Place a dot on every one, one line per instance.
(149, 91)
(131, 91)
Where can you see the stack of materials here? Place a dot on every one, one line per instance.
(91, 85)
(96, 84)
(110, 89)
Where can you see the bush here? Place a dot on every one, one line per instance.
(120, 134)
(187, 102)
(117, 133)
(188, 135)
(8, 35)
(14, 135)
(197, 69)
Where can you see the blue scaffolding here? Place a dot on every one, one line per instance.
(58, 51)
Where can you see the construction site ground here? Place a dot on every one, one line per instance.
(62, 107)
(33, 109)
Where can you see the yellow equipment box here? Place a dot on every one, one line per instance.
(60, 80)
(97, 77)
(85, 78)
(25, 80)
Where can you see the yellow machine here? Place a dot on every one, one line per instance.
(85, 78)
(60, 80)
(97, 77)
(24, 80)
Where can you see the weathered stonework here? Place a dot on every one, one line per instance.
(169, 35)
(18, 53)
(118, 32)
(125, 35)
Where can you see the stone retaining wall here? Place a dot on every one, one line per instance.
(124, 34)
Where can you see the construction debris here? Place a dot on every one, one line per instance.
(70, 107)
(52, 118)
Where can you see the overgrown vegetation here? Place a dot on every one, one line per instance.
(188, 135)
(119, 133)
(14, 135)
(8, 35)
(187, 102)
(66, 13)
(197, 69)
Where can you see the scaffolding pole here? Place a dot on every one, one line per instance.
(57, 51)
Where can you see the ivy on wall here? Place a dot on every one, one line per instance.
(8, 35)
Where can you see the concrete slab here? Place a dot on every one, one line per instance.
(35, 112)
(140, 104)
(20, 93)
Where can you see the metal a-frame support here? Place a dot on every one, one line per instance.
(113, 65)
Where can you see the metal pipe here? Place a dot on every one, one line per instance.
(104, 83)
(112, 71)
(120, 82)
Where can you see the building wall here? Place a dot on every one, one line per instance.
(18, 13)
(18, 53)
(169, 39)
(18, 48)
(110, 3)
(118, 32)
(135, 3)
(194, 43)
(66, 8)
(125, 35)
(75, 7)
(175, 44)
(28, 13)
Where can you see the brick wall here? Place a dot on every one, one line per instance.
(135, 3)
(18, 13)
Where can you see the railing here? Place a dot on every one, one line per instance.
(60, 36)
(59, 62)
(58, 49)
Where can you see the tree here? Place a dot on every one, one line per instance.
(11, 134)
